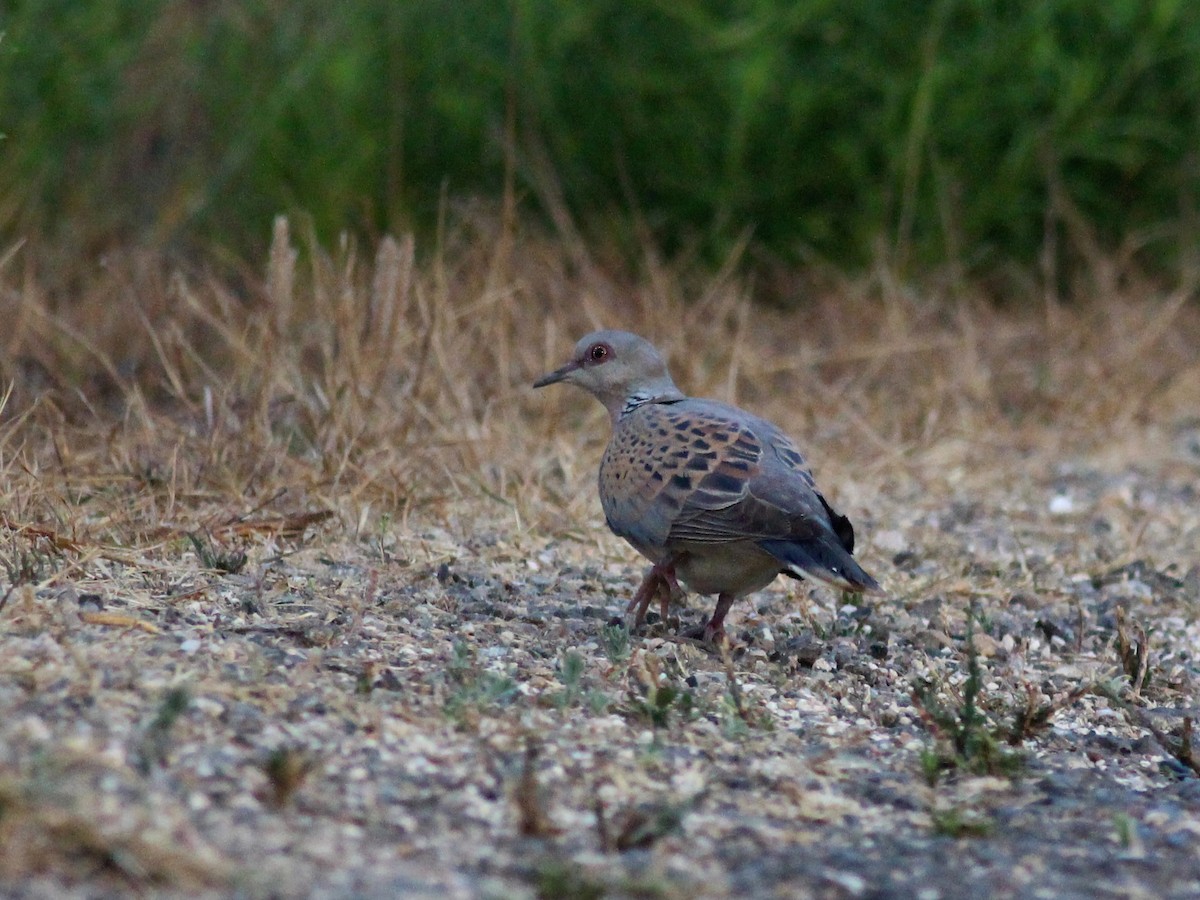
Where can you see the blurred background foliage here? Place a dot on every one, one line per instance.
(980, 133)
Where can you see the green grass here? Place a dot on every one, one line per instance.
(966, 739)
(974, 132)
(615, 640)
(214, 557)
(957, 823)
(153, 744)
(472, 690)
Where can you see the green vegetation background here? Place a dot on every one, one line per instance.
(977, 132)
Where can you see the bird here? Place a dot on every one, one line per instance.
(714, 496)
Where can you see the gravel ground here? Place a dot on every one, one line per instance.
(445, 708)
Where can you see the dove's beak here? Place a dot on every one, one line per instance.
(557, 375)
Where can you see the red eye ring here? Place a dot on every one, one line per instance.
(598, 352)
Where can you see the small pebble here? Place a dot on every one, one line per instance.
(1061, 505)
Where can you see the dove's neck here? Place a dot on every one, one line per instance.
(659, 392)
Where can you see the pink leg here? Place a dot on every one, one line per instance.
(672, 590)
(714, 631)
(642, 597)
(659, 580)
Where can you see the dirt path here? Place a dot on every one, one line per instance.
(438, 713)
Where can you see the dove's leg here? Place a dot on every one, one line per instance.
(659, 581)
(672, 591)
(714, 631)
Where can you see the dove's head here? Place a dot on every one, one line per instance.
(619, 369)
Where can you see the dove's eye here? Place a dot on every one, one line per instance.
(598, 353)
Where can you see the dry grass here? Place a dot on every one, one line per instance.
(372, 417)
(354, 381)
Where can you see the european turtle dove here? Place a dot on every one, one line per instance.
(711, 494)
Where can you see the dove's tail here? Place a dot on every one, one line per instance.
(823, 559)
